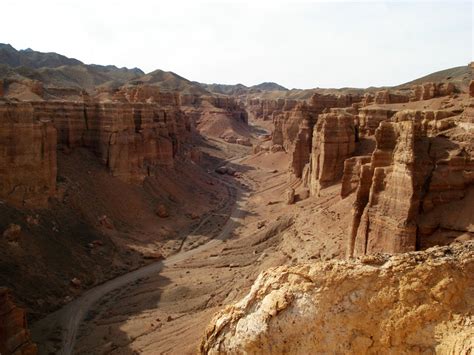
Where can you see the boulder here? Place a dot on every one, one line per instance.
(12, 232)
(290, 196)
(162, 211)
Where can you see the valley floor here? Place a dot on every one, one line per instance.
(166, 310)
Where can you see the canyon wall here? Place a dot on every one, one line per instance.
(412, 175)
(376, 304)
(27, 156)
(130, 139)
(14, 335)
(333, 142)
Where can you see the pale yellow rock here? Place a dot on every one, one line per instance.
(412, 303)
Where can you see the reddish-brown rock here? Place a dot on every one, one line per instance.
(388, 97)
(301, 149)
(352, 174)
(14, 334)
(413, 174)
(27, 156)
(431, 90)
(162, 211)
(333, 142)
(369, 119)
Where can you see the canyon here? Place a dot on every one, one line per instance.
(136, 208)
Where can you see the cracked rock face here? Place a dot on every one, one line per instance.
(409, 303)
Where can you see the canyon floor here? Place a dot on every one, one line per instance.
(145, 310)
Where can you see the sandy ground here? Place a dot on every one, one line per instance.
(168, 311)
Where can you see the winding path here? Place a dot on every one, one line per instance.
(70, 317)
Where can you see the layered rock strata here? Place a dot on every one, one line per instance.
(369, 119)
(130, 139)
(420, 302)
(411, 173)
(333, 141)
(431, 90)
(27, 156)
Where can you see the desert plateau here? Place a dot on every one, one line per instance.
(145, 212)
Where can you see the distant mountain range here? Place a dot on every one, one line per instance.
(56, 70)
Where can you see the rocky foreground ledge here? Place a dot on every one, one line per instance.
(415, 302)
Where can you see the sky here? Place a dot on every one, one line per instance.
(298, 44)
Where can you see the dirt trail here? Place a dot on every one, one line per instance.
(71, 316)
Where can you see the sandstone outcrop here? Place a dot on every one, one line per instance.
(14, 335)
(412, 173)
(388, 97)
(419, 302)
(333, 142)
(301, 149)
(130, 139)
(431, 90)
(27, 156)
(369, 119)
(352, 174)
(287, 124)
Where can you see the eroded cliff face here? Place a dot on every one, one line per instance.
(410, 303)
(287, 124)
(130, 139)
(333, 142)
(14, 335)
(413, 174)
(27, 156)
(369, 119)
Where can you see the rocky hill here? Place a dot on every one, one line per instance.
(55, 70)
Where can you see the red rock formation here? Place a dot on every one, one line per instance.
(471, 88)
(352, 174)
(301, 149)
(388, 97)
(431, 90)
(387, 223)
(287, 123)
(131, 139)
(370, 118)
(333, 142)
(14, 335)
(27, 156)
(411, 174)
(267, 109)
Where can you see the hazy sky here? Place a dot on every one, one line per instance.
(299, 44)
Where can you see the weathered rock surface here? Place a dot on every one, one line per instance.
(301, 148)
(14, 335)
(431, 90)
(333, 142)
(287, 123)
(412, 173)
(130, 139)
(419, 302)
(388, 97)
(369, 119)
(352, 174)
(27, 156)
